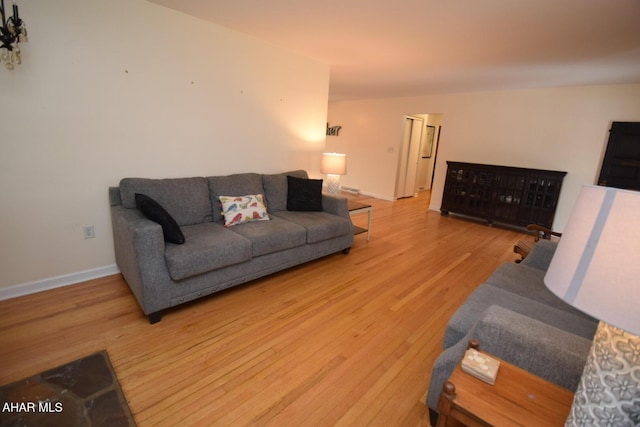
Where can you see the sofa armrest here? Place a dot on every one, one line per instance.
(139, 250)
(114, 196)
(335, 205)
(543, 350)
(548, 352)
(442, 370)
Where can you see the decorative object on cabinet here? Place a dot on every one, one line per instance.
(502, 194)
(12, 32)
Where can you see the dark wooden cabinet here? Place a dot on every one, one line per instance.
(502, 194)
(621, 163)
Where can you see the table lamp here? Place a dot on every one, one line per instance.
(334, 165)
(596, 268)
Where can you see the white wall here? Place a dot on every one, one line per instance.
(116, 88)
(558, 128)
(371, 137)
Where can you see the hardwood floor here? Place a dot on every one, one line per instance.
(345, 340)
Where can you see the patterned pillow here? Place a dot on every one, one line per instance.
(239, 209)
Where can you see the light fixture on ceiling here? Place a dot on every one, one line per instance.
(12, 32)
(596, 269)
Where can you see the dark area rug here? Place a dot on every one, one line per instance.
(84, 392)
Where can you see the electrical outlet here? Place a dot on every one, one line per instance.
(88, 232)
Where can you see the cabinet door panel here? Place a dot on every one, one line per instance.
(479, 195)
(621, 163)
(508, 197)
(540, 200)
(456, 189)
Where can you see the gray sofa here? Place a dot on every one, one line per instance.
(214, 257)
(516, 318)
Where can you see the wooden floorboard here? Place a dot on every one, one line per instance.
(347, 340)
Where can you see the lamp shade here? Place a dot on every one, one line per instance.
(596, 267)
(334, 164)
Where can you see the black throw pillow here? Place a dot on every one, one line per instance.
(152, 210)
(304, 194)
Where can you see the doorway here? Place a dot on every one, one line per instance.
(416, 163)
(409, 150)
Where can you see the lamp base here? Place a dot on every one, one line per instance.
(333, 184)
(609, 390)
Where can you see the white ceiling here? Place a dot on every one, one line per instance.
(390, 48)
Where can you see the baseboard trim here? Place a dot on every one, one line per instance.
(56, 282)
(378, 196)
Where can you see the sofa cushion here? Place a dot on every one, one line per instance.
(319, 225)
(529, 282)
(541, 254)
(208, 246)
(272, 236)
(239, 209)
(232, 185)
(276, 188)
(155, 212)
(486, 295)
(185, 199)
(304, 194)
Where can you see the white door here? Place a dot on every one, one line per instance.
(409, 157)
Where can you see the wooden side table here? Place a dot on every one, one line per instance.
(522, 248)
(518, 398)
(356, 208)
